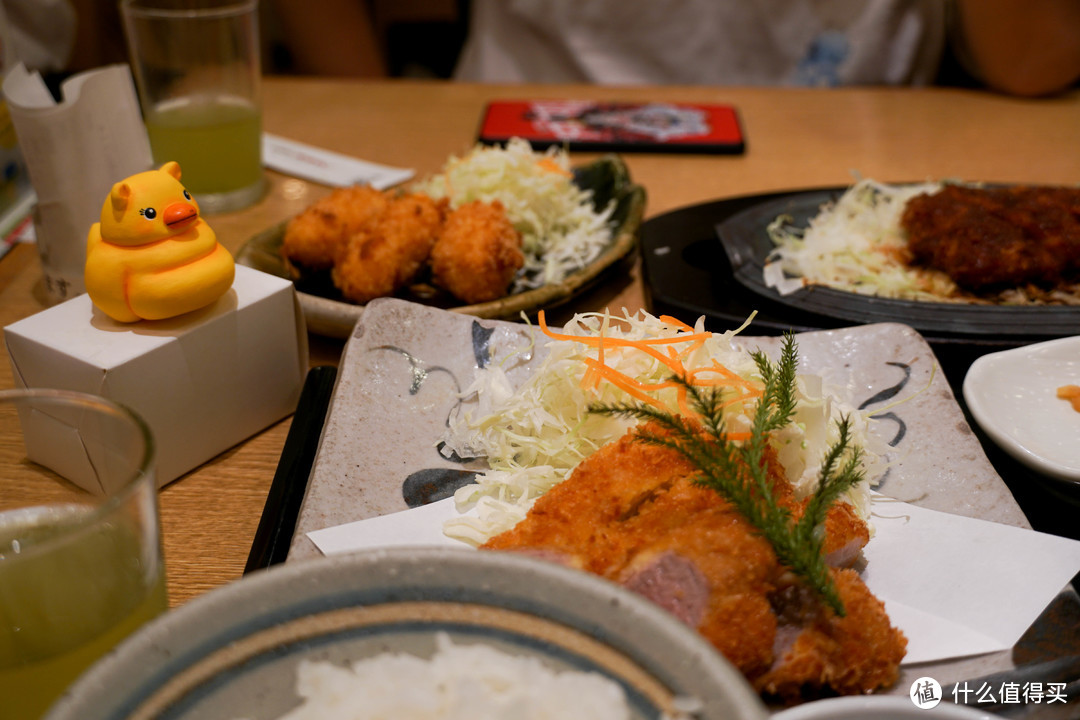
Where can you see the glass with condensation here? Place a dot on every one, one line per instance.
(79, 570)
(197, 70)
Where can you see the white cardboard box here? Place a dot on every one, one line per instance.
(203, 381)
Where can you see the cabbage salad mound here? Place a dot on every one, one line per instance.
(535, 434)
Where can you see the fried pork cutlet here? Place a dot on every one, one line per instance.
(387, 254)
(314, 238)
(989, 239)
(478, 253)
(632, 514)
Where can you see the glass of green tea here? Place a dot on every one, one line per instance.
(197, 71)
(79, 570)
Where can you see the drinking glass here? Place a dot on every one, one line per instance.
(197, 70)
(79, 571)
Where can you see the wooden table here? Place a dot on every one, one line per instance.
(796, 138)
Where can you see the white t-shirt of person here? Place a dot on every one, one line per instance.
(705, 42)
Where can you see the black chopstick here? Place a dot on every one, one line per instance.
(282, 508)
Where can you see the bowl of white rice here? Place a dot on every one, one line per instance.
(414, 634)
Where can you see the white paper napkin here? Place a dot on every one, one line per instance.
(985, 582)
(955, 586)
(327, 167)
(75, 150)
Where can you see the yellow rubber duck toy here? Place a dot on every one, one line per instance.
(152, 256)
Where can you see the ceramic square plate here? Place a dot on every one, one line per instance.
(405, 365)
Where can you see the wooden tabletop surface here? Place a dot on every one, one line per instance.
(796, 138)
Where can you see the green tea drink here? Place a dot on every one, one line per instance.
(67, 596)
(217, 142)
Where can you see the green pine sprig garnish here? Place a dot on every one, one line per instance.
(740, 472)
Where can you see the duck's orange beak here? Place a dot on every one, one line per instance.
(179, 215)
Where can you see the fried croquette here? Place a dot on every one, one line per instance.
(314, 238)
(632, 513)
(374, 244)
(387, 254)
(478, 253)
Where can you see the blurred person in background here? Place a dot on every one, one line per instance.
(1023, 48)
(1020, 47)
(337, 39)
(365, 38)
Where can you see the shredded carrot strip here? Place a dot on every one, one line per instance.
(733, 377)
(744, 388)
(684, 406)
(693, 377)
(623, 382)
(675, 362)
(643, 345)
(597, 369)
(590, 380)
(609, 372)
(695, 345)
(550, 165)
(676, 321)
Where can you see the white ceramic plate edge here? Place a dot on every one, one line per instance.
(984, 401)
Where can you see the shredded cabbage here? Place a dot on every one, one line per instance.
(535, 434)
(561, 231)
(855, 244)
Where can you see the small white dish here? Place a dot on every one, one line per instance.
(1013, 396)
